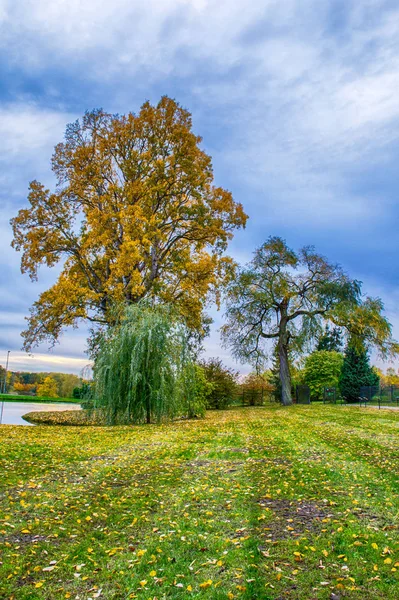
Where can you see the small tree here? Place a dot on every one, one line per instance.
(47, 389)
(82, 392)
(223, 381)
(285, 298)
(322, 369)
(391, 377)
(356, 372)
(256, 388)
(139, 368)
(195, 390)
(25, 388)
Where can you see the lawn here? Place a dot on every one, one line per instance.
(25, 398)
(262, 503)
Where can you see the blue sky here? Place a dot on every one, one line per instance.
(297, 103)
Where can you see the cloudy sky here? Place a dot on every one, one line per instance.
(296, 100)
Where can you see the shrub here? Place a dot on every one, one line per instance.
(223, 381)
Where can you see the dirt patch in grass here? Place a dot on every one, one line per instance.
(292, 519)
(23, 539)
(229, 465)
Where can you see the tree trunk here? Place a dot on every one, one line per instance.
(148, 411)
(148, 406)
(285, 375)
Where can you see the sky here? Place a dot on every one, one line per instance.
(296, 101)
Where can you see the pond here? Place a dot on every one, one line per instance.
(13, 411)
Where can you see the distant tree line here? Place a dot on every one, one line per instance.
(44, 384)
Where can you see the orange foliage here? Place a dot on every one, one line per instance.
(134, 214)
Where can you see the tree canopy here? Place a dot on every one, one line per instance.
(48, 388)
(285, 297)
(134, 214)
(322, 370)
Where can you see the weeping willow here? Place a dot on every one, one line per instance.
(141, 367)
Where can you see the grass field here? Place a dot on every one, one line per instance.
(265, 503)
(22, 398)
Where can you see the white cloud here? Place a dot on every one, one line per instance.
(26, 130)
(20, 361)
(297, 108)
(28, 135)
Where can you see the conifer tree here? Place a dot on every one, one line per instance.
(356, 372)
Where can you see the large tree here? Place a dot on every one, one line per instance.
(134, 214)
(285, 297)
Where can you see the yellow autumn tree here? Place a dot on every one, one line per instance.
(134, 214)
(48, 388)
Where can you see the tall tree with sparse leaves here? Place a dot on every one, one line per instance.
(134, 214)
(284, 298)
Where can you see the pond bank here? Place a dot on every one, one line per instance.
(14, 412)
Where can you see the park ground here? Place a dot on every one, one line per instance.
(262, 503)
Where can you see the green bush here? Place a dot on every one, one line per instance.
(223, 383)
(322, 369)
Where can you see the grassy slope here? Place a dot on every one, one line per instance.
(17, 398)
(263, 503)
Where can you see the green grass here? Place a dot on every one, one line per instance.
(22, 398)
(262, 503)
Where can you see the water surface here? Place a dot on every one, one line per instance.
(13, 411)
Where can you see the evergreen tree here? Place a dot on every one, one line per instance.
(330, 340)
(356, 372)
(275, 377)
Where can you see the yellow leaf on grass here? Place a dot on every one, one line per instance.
(206, 584)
